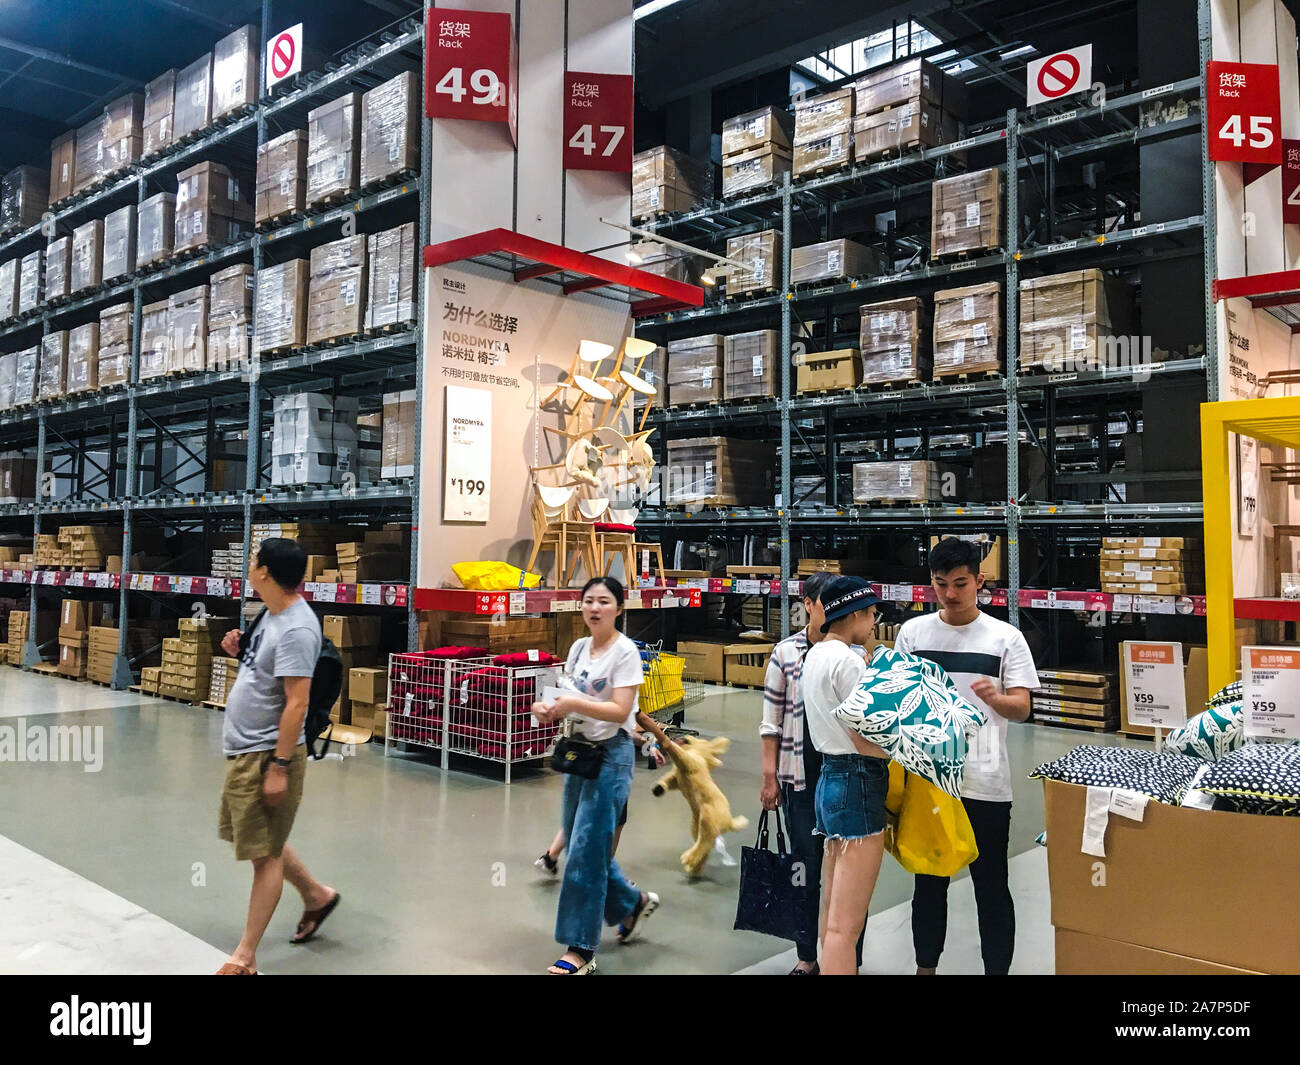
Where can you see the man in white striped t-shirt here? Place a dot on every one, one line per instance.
(990, 663)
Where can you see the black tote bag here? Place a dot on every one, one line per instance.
(774, 894)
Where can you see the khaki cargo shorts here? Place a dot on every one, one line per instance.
(256, 829)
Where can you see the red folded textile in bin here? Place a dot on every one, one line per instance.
(456, 652)
(525, 658)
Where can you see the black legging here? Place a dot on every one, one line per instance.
(991, 822)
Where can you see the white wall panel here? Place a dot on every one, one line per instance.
(541, 120)
(1224, 38)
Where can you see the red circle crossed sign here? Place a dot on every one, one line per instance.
(1053, 81)
(282, 55)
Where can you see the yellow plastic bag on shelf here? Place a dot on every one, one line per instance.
(928, 831)
(494, 576)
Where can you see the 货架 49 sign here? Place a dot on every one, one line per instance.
(471, 66)
(1244, 113)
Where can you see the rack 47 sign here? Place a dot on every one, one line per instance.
(1244, 112)
(598, 112)
(1271, 692)
(471, 67)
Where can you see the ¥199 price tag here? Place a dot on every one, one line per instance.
(1271, 692)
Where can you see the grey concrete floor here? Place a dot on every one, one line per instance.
(435, 868)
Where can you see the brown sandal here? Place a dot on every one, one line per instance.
(315, 918)
(232, 968)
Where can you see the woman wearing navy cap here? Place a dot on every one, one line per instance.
(854, 780)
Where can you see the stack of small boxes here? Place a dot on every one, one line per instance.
(966, 213)
(47, 624)
(1067, 320)
(380, 556)
(314, 439)
(750, 362)
(224, 672)
(90, 547)
(281, 176)
(1076, 697)
(833, 259)
(336, 294)
(280, 306)
(368, 694)
(312, 537)
(721, 471)
(83, 358)
(398, 429)
(907, 481)
(967, 330)
(187, 657)
(120, 231)
(87, 262)
(756, 150)
(76, 617)
(912, 104)
(230, 317)
(761, 254)
(54, 365)
(151, 679)
(893, 341)
(115, 325)
(141, 636)
(665, 181)
(823, 132)
(334, 149)
(159, 104)
(17, 479)
(30, 289)
(1152, 565)
(696, 369)
(390, 129)
(228, 561)
(213, 207)
(356, 638)
(24, 196)
(391, 257)
(58, 269)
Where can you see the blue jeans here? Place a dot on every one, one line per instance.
(594, 887)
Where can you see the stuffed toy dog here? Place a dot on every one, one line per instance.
(693, 760)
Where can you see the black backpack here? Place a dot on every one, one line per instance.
(326, 687)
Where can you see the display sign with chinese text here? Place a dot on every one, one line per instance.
(1291, 182)
(468, 449)
(1153, 676)
(598, 111)
(1270, 681)
(471, 65)
(1244, 112)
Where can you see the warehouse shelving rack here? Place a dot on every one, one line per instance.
(1019, 141)
(122, 423)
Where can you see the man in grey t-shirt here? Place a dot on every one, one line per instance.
(264, 743)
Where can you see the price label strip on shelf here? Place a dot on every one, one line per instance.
(1271, 692)
(1153, 679)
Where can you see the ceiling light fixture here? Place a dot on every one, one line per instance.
(646, 234)
(652, 7)
(1024, 49)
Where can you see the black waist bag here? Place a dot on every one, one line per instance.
(581, 758)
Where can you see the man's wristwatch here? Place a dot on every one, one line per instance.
(283, 763)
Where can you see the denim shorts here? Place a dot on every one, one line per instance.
(851, 796)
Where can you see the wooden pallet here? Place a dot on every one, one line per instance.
(331, 199)
(142, 690)
(388, 181)
(754, 572)
(892, 386)
(968, 255)
(390, 328)
(178, 699)
(335, 342)
(751, 294)
(970, 376)
(746, 687)
(820, 171)
(50, 668)
(749, 190)
(215, 705)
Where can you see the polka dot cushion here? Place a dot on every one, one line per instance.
(1162, 775)
(1258, 778)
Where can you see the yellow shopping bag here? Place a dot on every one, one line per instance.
(928, 829)
(494, 576)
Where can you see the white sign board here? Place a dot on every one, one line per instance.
(284, 55)
(1270, 679)
(467, 447)
(1153, 676)
(1059, 75)
(1247, 485)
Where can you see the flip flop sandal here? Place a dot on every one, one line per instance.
(548, 863)
(573, 970)
(639, 916)
(235, 969)
(317, 918)
(816, 970)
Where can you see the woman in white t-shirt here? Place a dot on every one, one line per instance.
(604, 673)
(850, 803)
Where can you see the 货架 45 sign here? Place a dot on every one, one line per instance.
(471, 66)
(598, 122)
(1244, 112)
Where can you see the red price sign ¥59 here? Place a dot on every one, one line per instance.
(598, 112)
(1244, 112)
(471, 66)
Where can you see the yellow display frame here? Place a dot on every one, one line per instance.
(1276, 421)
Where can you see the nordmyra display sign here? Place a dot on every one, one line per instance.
(1059, 75)
(1244, 112)
(471, 67)
(598, 111)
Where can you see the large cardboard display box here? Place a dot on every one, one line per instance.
(1214, 891)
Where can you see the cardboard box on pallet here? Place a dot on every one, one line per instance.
(314, 439)
(115, 325)
(54, 365)
(123, 132)
(764, 128)
(515, 635)
(8, 289)
(966, 213)
(745, 664)
(17, 479)
(157, 229)
(30, 290)
(24, 198)
(120, 228)
(230, 316)
(26, 376)
(187, 321)
(349, 631)
(76, 616)
(159, 103)
(155, 340)
(719, 469)
(83, 358)
(72, 661)
(280, 305)
(750, 363)
(63, 166)
(967, 330)
(90, 156)
(894, 341)
(87, 256)
(87, 547)
(761, 252)
(696, 369)
(390, 288)
(390, 129)
(8, 373)
(192, 104)
(367, 684)
(828, 371)
(665, 180)
(754, 169)
(910, 80)
(336, 295)
(823, 131)
(334, 148)
(235, 82)
(1069, 321)
(281, 176)
(836, 258)
(914, 124)
(398, 458)
(907, 481)
(211, 206)
(58, 268)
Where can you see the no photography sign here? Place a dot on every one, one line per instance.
(1059, 75)
(284, 55)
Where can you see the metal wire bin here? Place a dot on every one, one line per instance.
(470, 707)
(666, 691)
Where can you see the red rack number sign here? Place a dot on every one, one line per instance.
(470, 66)
(598, 112)
(1244, 111)
(1291, 182)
